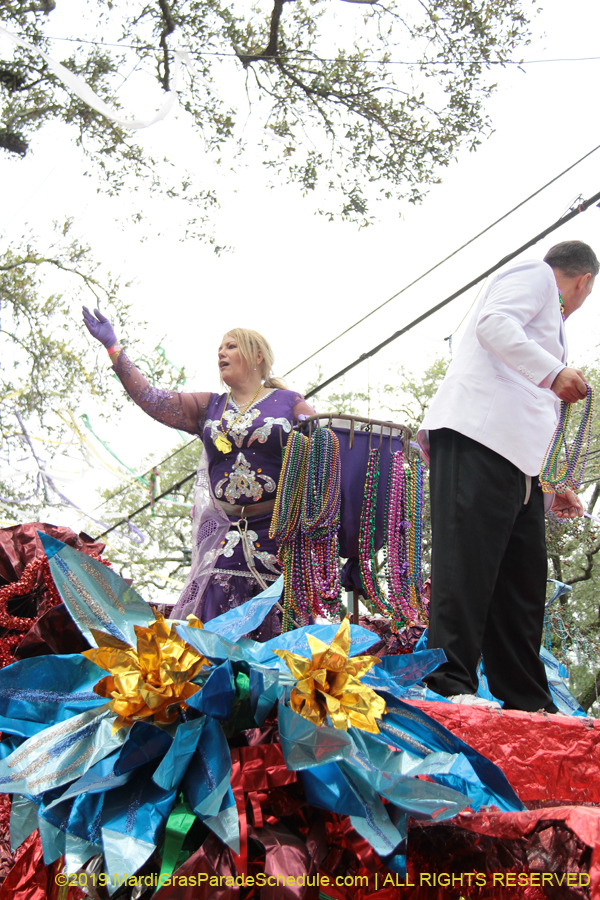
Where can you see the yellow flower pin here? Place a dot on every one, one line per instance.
(329, 684)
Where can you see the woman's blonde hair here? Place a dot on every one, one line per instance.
(249, 344)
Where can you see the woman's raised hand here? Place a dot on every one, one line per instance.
(99, 327)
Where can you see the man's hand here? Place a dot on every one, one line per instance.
(570, 385)
(567, 505)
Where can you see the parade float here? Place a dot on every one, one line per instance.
(144, 756)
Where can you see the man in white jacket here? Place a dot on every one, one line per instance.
(485, 436)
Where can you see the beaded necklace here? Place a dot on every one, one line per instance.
(366, 536)
(403, 539)
(285, 524)
(415, 482)
(222, 442)
(553, 477)
(305, 525)
(397, 529)
(290, 489)
(321, 518)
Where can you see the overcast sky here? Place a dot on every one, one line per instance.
(300, 279)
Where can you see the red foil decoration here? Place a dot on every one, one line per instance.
(282, 835)
(6, 856)
(550, 760)
(20, 545)
(54, 632)
(30, 879)
(213, 860)
(25, 573)
(27, 587)
(547, 851)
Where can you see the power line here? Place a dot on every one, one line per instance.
(446, 258)
(397, 334)
(136, 512)
(566, 218)
(465, 315)
(415, 322)
(308, 58)
(146, 474)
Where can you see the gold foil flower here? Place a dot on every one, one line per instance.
(329, 684)
(152, 681)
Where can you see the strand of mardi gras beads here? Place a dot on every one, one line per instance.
(290, 489)
(404, 516)
(366, 537)
(395, 551)
(555, 478)
(321, 505)
(298, 593)
(321, 521)
(306, 598)
(415, 479)
(305, 524)
(285, 525)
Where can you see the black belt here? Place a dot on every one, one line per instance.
(248, 510)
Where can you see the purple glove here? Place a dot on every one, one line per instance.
(99, 327)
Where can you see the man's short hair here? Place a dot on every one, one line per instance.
(573, 258)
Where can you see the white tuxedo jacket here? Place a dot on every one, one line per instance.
(496, 390)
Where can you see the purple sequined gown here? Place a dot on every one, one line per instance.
(248, 474)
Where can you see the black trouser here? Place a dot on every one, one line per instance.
(488, 573)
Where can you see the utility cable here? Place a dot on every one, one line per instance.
(136, 512)
(147, 474)
(222, 54)
(566, 218)
(441, 262)
(581, 208)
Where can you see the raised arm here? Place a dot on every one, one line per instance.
(185, 411)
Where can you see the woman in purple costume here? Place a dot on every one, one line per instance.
(243, 433)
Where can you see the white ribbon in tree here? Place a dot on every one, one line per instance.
(79, 87)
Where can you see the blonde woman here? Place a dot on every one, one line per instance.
(243, 431)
